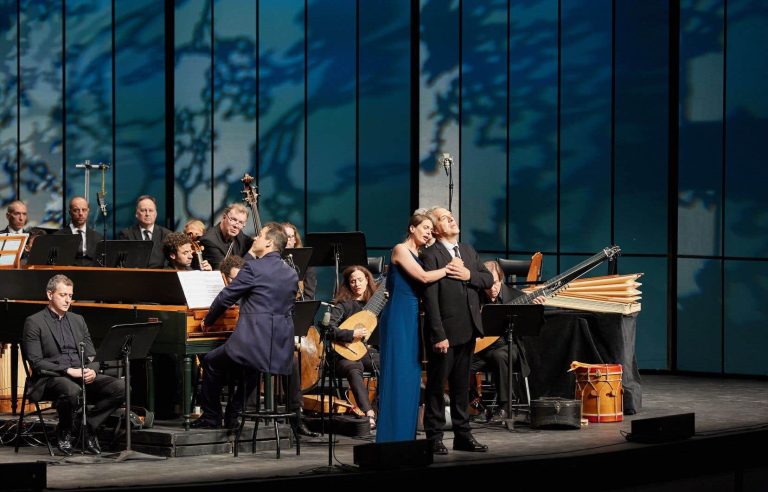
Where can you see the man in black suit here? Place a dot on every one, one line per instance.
(146, 229)
(16, 213)
(50, 341)
(452, 324)
(78, 225)
(227, 236)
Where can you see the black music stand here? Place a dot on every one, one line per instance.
(126, 342)
(512, 321)
(298, 258)
(124, 253)
(337, 249)
(54, 249)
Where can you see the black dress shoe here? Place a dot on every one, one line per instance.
(468, 443)
(64, 442)
(438, 447)
(92, 444)
(302, 429)
(203, 423)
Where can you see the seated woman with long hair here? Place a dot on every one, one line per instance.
(356, 289)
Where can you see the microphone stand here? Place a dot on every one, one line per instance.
(449, 170)
(329, 374)
(84, 422)
(100, 197)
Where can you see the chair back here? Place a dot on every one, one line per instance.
(376, 267)
(520, 272)
(11, 249)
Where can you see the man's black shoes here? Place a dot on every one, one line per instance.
(302, 429)
(64, 441)
(438, 447)
(92, 444)
(468, 443)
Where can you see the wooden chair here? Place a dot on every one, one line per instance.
(11, 249)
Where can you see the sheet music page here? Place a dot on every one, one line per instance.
(200, 288)
(14, 244)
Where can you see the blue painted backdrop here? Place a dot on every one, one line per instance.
(557, 113)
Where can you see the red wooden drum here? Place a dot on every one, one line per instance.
(599, 388)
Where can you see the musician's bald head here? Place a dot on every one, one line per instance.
(16, 213)
(78, 211)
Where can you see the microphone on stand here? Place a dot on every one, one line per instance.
(447, 161)
(101, 198)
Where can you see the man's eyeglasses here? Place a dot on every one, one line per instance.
(240, 223)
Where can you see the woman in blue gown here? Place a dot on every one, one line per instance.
(400, 370)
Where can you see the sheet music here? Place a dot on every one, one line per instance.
(200, 288)
(11, 245)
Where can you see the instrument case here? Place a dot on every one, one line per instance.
(555, 413)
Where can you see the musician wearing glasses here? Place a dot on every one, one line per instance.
(179, 252)
(226, 237)
(145, 229)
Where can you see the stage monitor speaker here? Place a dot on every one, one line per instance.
(663, 429)
(399, 454)
(23, 476)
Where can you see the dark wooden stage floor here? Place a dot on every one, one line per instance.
(727, 453)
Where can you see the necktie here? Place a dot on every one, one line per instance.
(81, 233)
(147, 236)
(456, 251)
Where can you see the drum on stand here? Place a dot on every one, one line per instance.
(598, 386)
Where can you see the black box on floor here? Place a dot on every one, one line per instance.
(24, 476)
(399, 454)
(662, 429)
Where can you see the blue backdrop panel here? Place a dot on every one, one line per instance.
(641, 138)
(699, 315)
(585, 125)
(746, 206)
(384, 125)
(700, 147)
(331, 107)
(533, 126)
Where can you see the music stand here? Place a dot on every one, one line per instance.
(126, 342)
(337, 249)
(298, 258)
(54, 249)
(511, 321)
(125, 253)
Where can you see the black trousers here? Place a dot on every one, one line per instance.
(353, 371)
(105, 394)
(452, 366)
(218, 367)
(496, 358)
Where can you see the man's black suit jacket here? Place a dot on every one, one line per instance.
(215, 247)
(40, 344)
(453, 306)
(92, 239)
(156, 258)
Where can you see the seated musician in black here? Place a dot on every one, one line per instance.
(179, 252)
(356, 289)
(495, 356)
(227, 236)
(50, 342)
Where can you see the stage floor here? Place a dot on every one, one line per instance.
(728, 412)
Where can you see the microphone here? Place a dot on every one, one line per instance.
(326, 318)
(100, 197)
(447, 161)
